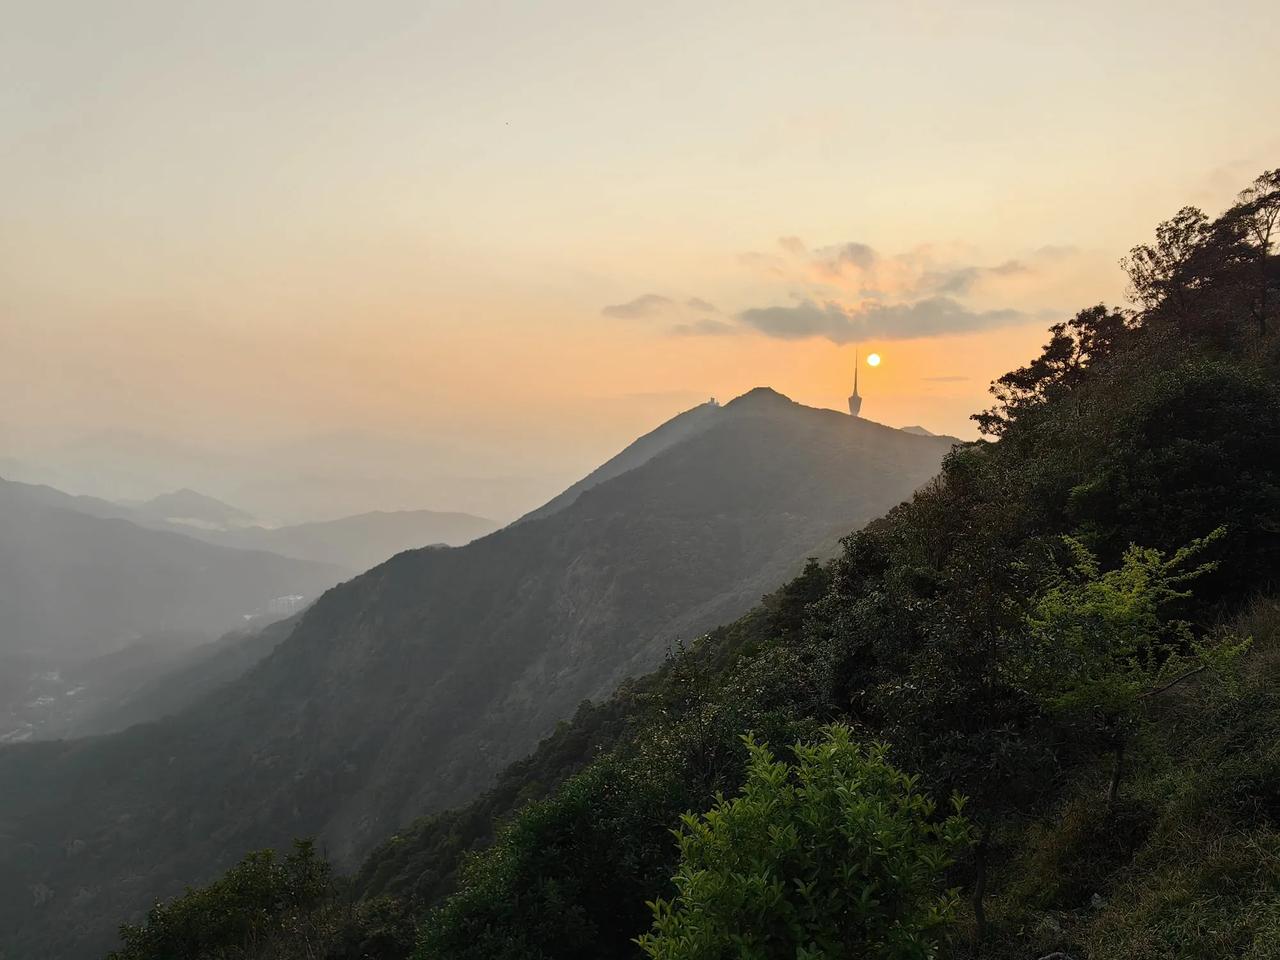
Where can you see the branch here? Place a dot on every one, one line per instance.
(1174, 682)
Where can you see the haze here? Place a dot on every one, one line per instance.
(323, 258)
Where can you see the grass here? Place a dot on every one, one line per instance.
(1187, 864)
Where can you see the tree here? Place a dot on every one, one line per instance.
(250, 912)
(1212, 275)
(835, 856)
(1091, 335)
(1255, 219)
(1105, 644)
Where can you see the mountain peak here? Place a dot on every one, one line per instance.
(188, 504)
(760, 397)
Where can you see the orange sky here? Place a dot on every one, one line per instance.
(381, 250)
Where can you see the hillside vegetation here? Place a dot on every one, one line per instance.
(1073, 627)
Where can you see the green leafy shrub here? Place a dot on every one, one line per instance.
(1105, 644)
(838, 855)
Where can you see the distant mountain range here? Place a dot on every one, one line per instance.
(98, 597)
(78, 579)
(194, 509)
(407, 688)
(361, 541)
(354, 543)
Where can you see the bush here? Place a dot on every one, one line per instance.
(249, 912)
(838, 855)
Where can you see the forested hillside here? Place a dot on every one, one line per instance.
(407, 689)
(1075, 628)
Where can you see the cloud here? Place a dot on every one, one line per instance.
(850, 292)
(1009, 268)
(1057, 251)
(932, 316)
(656, 305)
(840, 260)
(645, 305)
(766, 263)
(794, 246)
(857, 270)
(956, 281)
(706, 327)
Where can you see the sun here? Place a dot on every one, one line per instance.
(873, 359)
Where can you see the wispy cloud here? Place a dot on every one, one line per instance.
(838, 323)
(656, 305)
(645, 305)
(706, 327)
(850, 292)
(856, 269)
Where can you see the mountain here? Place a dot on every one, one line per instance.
(39, 494)
(74, 584)
(172, 681)
(919, 431)
(361, 541)
(407, 689)
(195, 509)
(48, 697)
(680, 427)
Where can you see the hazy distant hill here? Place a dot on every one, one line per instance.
(176, 682)
(919, 431)
(409, 687)
(361, 541)
(76, 583)
(356, 542)
(196, 509)
(46, 496)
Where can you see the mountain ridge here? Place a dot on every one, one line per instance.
(58, 562)
(407, 688)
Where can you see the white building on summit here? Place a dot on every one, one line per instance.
(855, 401)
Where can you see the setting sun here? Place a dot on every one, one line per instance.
(873, 359)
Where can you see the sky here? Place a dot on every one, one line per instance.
(322, 257)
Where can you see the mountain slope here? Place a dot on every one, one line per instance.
(182, 678)
(74, 584)
(406, 689)
(361, 541)
(46, 496)
(680, 427)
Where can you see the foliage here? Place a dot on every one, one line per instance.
(1104, 643)
(1218, 276)
(838, 855)
(1188, 864)
(1089, 337)
(261, 902)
